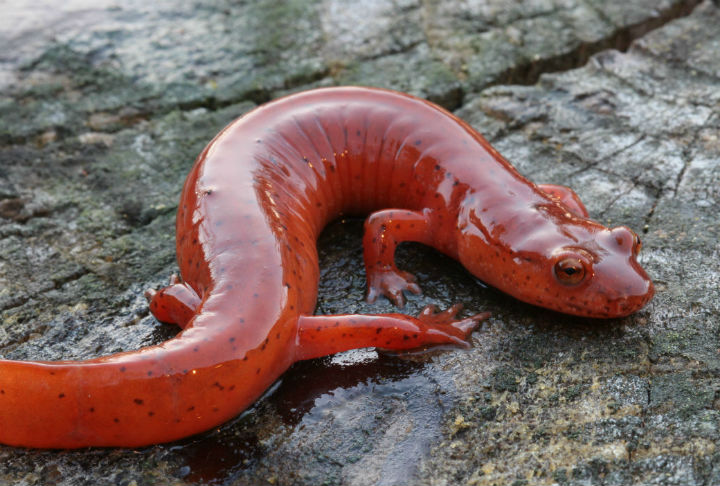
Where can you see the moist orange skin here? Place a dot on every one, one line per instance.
(249, 216)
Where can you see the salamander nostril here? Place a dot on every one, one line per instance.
(626, 238)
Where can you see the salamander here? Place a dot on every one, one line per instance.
(249, 215)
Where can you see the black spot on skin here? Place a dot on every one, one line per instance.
(418, 142)
(415, 336)
(151, 413)
(62, 395)
(2, 392)
(218, 386)
(116, 420)
(196, 349)
(405, 337)
(231, 388)
(437, 167)
(191, 408)
(378, 330)
(92, 409)
(318, 329)
(138, 401)
(232, 339)
(149, 373)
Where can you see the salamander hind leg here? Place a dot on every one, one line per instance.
(175, 304)
(384, 230)
(566, 196)
(324, 335)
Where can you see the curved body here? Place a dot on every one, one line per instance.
(250, 212)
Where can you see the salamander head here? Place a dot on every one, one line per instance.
(581, 268)
(602, 280)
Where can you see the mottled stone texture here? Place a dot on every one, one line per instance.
(104, 105)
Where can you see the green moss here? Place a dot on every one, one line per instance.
(505, 378)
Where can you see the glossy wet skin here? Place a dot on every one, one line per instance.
(540, 246)
(579, 267)
(249, 215)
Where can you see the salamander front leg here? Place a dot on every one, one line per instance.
(566, 196)
(384, 230)
(175, 304)
(325, 335)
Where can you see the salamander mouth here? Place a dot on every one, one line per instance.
(607, 305)
(625, 305)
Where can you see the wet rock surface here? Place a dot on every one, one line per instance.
(104, 107)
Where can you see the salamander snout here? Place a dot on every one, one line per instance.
(626, 239)
(619, 279)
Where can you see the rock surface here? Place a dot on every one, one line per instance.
(103, 107)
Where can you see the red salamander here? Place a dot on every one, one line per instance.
(249, 216)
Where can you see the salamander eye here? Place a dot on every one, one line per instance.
(570, 271)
